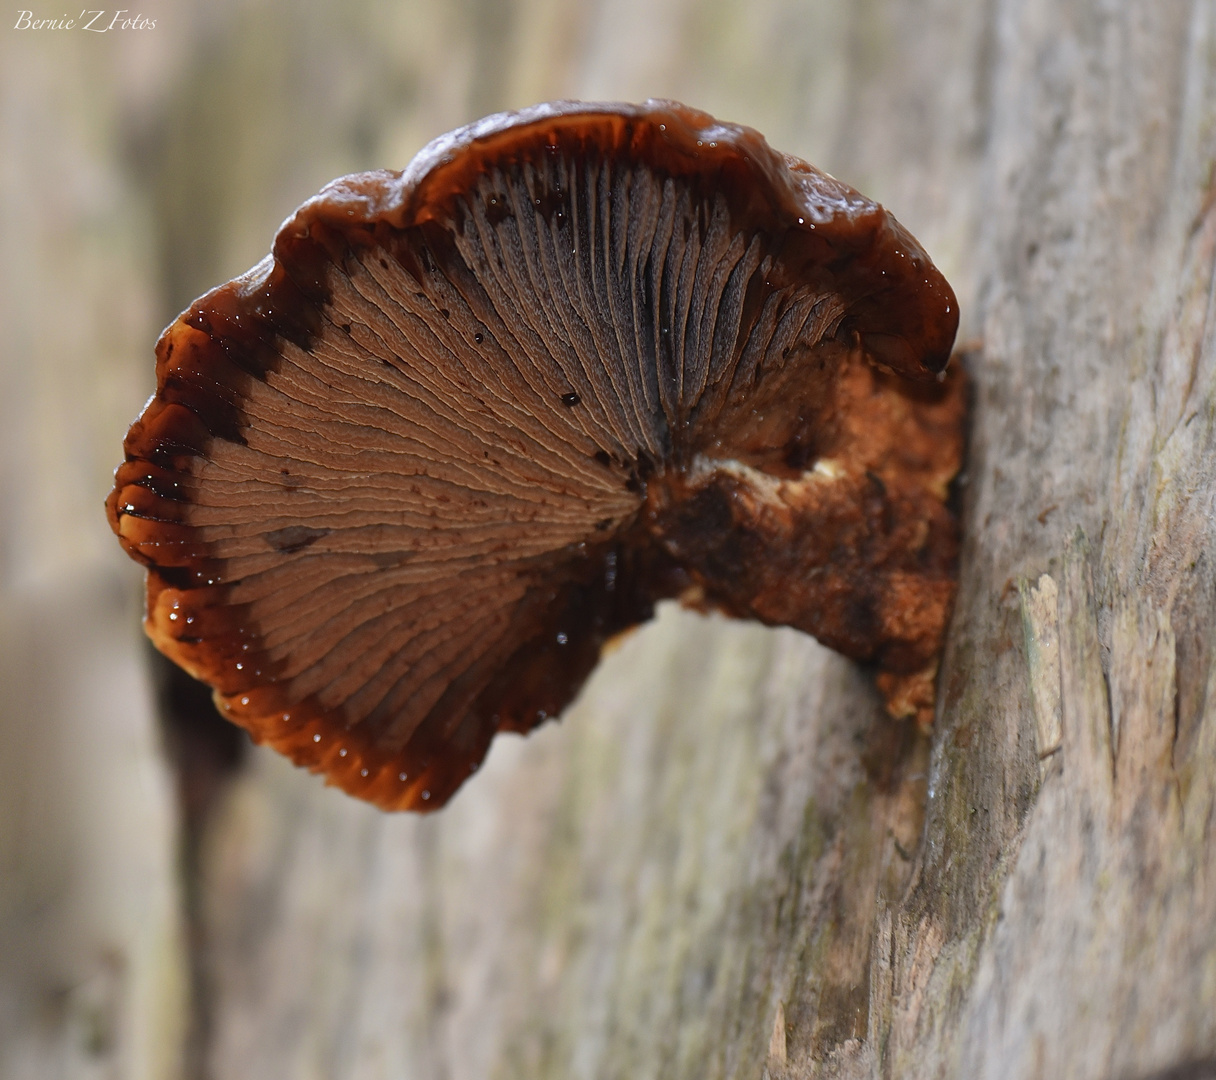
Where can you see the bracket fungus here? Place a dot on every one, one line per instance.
(401, 481)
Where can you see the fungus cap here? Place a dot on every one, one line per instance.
(401, 481)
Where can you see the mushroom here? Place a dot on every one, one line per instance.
(401, 481)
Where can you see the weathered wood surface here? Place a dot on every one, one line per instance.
(724, 862)
(92, 969)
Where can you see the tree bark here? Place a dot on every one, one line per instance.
(717, 865)
(724, 861)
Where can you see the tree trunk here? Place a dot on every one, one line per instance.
(724, 861)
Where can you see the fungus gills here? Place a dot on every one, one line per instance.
(401, 481)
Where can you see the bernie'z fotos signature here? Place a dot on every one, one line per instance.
(98, 22)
